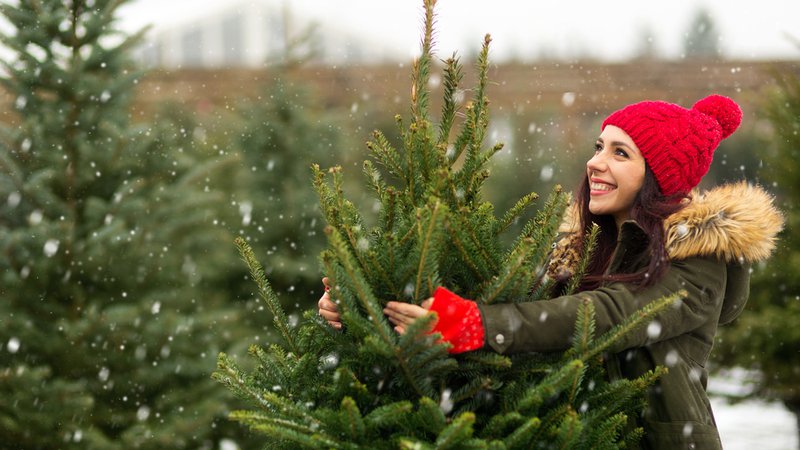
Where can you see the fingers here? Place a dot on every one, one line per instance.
(427, 303)
(405, 309)
(326, 282)
(403, 314)
(329, 311)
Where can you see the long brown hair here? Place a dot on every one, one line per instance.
(650, 209)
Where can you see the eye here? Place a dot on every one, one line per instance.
(598, 147)
(621, 152)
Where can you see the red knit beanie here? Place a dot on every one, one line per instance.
(676, 142)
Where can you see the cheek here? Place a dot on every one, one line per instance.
(633, 188)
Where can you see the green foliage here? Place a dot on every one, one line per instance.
(766, 337)
(276, 135)
(105, 297)
(366, 386)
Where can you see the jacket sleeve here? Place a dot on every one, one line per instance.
(546, 326)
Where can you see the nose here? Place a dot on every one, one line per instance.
(597, 163)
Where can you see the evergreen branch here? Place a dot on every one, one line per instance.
(618, 396)
(464, 137)
(413, 444)
(584, 329)
(374, 312)
(452, 77)
(551, 385)
(429, 416)
(428, 253)
(360, 287)
(417, 335)
(483, 74)
(388, 416)
(337, 207)
(255, 419)
(457, 432)
(548, 218)
(326, 197)
(387, 156)
(489, 359)
(569, 430)
(390, 210)
(470, 389)
(230, 375)
(515, 211)
(421, 69)
(552, 420)
(266, 293)
(606, 434)
(476, 245)
(498, 424)
(353, 419)
(275, 361)
(466, 256)
(478, 120)
(521, 437)
(632, 322)
(515, 263)
(280, 432)
(588, 252)
(374, 179)
(542, 288)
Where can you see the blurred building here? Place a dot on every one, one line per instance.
(253, 33)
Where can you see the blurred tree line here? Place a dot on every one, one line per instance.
(118, 275)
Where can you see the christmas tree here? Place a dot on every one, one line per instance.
(109, 315)
(275, 136)
(765, 337)
(367, 387)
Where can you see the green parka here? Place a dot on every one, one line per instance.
(711, 242)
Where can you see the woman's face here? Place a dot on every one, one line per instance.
(616, 174)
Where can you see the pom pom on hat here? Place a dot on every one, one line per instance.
(724, 110)
(678, 143)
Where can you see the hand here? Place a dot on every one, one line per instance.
(404, 314)
(328, 309)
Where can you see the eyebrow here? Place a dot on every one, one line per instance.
(616, 143)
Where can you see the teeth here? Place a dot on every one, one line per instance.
(601, 187)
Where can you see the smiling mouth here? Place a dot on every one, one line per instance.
(602, 187)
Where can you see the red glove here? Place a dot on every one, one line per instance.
(459, 321)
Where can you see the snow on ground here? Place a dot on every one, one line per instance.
(755, 424)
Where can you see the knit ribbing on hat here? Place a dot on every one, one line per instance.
(678, 143)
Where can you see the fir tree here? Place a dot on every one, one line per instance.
(766, 338)
(367, 387)
(107, 324)
(277, 134)
(702, 39)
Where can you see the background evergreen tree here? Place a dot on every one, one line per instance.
(701, 39)
(766, 337)
(367, 387)
(109, 318)
(277, 136)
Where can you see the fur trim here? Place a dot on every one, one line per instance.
(566, 256)
(733, 222)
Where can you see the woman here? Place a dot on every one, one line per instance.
(655, 239)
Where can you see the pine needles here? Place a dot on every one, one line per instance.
(367, 387)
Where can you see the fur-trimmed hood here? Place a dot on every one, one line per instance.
(735, 222)
(738, 223)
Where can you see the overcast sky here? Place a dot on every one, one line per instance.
(609, 30)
